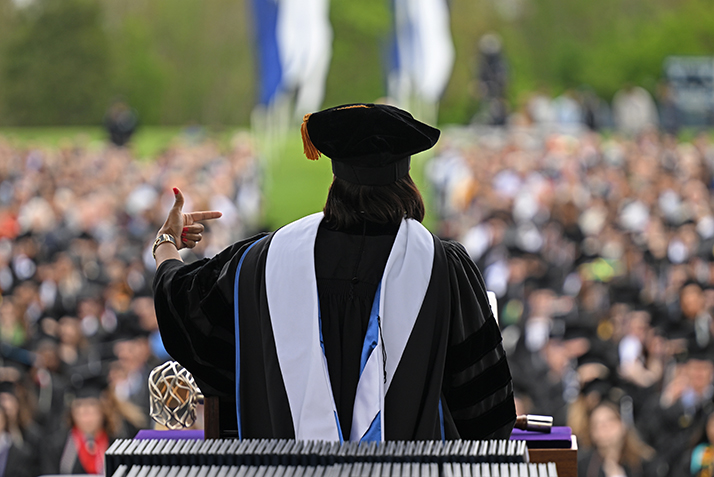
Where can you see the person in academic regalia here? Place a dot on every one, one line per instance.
(17, 454)
(120, 122)
(617, 450)
(80, 448)
(671, 420)
(355, 323)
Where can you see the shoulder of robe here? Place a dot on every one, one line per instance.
(464, 274)
(460, 260)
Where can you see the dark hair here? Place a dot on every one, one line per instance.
(634, 452)
(350, 204)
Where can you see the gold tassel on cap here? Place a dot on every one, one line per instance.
(353, 106)
(309, 148)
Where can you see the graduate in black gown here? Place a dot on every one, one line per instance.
(355, 323)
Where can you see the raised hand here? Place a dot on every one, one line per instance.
(185, 227)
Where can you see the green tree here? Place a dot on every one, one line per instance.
(183, 61)
(56, 65)
(358, 51)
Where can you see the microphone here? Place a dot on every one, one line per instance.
(534, 422)
(173, 396)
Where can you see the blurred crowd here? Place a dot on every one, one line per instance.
(599, 248)
(78, 331)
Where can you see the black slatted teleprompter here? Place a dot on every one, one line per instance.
(291, 458)
(357, 469)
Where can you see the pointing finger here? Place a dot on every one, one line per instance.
(205, 215)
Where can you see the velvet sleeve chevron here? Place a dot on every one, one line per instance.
(477, 386)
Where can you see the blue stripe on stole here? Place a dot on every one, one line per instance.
(319, 326)
(339, 428)
(237, 333)
(371, 337)
(374, 433)
(441, 421)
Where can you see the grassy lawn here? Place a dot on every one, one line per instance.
(146, 143)
(294, 186)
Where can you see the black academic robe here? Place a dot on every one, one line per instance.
(19, 462)
(453, 354)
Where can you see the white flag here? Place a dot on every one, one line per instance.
(424, 47)
(305, 44)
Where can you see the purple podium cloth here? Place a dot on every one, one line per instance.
(557, 438)
(168, 434)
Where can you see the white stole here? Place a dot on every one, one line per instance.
(291, 288)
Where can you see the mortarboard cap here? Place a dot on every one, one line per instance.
(129, 328)
(87, 385)
(369, 144)
(575, 330)
(599, 386)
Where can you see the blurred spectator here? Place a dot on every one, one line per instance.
(669, 420)
(12, 323)
(596, 112)
(617, 450)
(695, 323)
(134, 363)
(80, 450)
(641, 351)
(634, 110)
(14, 461)
(569, 115)
(669, 114)
(73, 349)
(121, 122)
(701, 461)
(24, 434)
(143, 307)
(51, 381)
(493, 79)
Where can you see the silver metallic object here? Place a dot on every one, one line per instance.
(173, 396)
(534, 422)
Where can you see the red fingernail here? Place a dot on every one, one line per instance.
(175, 191)
(185, 229)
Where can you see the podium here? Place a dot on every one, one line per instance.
(173, 403)
(566, 460)
(559, 446)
